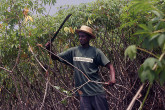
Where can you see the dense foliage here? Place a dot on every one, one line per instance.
(118, 24)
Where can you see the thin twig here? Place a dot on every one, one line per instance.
(46, 89)
(135, 97)
(147, 52)
(6, 69)
(36, 58)
(111, 94)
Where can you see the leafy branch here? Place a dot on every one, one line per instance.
(154, 36)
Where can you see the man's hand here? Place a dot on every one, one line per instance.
(110, 83)
(47, 45)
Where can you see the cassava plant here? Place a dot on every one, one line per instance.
(153, 34)
(25, 28)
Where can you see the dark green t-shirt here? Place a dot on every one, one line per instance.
(88, 61)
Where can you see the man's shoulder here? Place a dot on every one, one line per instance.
(96, 49)
(92, 48)
(73, 48)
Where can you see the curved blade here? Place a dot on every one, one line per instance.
(60, 27)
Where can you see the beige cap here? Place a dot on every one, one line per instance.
(87, 30)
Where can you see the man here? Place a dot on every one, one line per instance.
(88, 59)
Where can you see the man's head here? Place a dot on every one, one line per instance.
(84, 38)
(85, 34)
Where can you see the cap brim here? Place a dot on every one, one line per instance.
(79, 30)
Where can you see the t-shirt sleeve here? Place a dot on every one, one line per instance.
(102, 60)
(66, 55)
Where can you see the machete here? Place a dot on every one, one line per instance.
(60, 27)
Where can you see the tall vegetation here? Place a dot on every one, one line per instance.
(152, 32)
(29, 79)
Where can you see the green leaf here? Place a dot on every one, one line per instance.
(30, 3)
(143, 26)
(150, 26)
(131, 52)
(143, 75)
(162, 77)
(65, 91)
(57, 87)
(158, 14)
(153, 42)
(138, 32)
(161, 39)
(154, 37)
(147, 75)
(146, 44)
(163, 47)
(140, 70)
(64, 102)
(151, 76)
(155, 19)
(150, 62)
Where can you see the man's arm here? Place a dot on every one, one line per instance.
(111, 74)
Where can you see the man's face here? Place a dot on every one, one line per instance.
(84, 38)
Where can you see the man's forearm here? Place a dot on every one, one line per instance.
(112, 73)
(54, 57)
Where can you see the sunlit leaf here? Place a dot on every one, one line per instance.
(158, 14)
(66, 29)
(30, 18)
(40, 45)
(65, 91)
(30, 33)
(26, 19)
(25, 11)
(57, 87)
(89, 21)
(143, 26)
(71, 30)
(131, 52)
(141, 32)
(30, 48)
